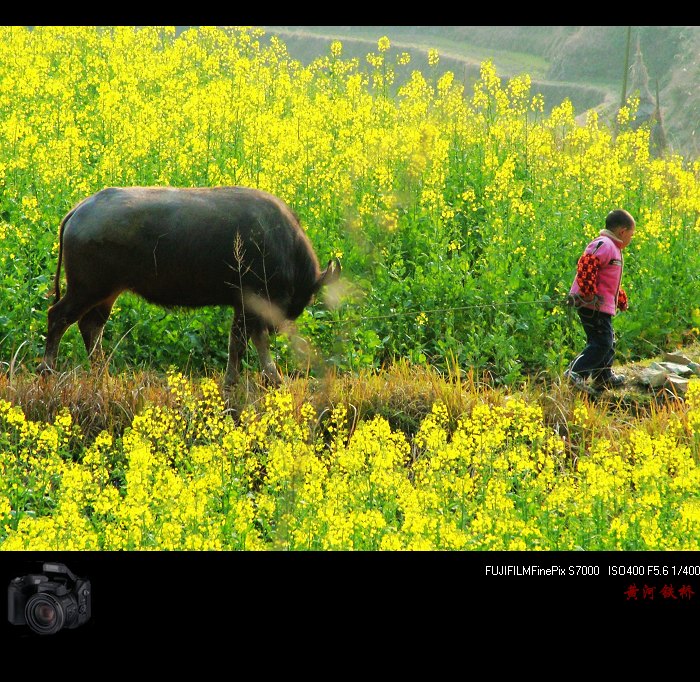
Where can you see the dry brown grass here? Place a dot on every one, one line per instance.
(95, 402)
(401, 393)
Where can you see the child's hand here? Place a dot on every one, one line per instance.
(622, 302)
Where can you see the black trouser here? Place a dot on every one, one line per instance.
(597, 357)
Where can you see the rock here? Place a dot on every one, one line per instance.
(695, 368)
(675, 368)
(677, 384)
(677, 357)
(653, 376)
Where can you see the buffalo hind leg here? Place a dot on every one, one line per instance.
(61, 315)
(91, 325)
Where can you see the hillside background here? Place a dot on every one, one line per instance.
(583, 63)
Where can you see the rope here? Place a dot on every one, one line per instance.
(446, 310)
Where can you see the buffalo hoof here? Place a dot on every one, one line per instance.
(273, 380)
(44, 370)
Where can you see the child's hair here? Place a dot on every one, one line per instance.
(618, 218)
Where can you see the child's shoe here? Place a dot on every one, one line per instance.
(579, 382)
(612, 380)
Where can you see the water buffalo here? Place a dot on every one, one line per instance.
(185, 247)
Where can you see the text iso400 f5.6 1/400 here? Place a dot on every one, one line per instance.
(651, 570)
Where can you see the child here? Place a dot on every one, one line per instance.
(597, 295)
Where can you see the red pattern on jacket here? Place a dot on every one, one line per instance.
(587, 275)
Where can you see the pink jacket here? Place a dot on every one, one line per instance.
(609, 274)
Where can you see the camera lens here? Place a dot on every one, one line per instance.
(44, 614)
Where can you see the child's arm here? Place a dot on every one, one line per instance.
(587, 276)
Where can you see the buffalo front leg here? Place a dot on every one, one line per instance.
(237, 342)
(261, 339)
(242, 329)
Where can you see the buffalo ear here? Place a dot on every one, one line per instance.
(330, 274)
